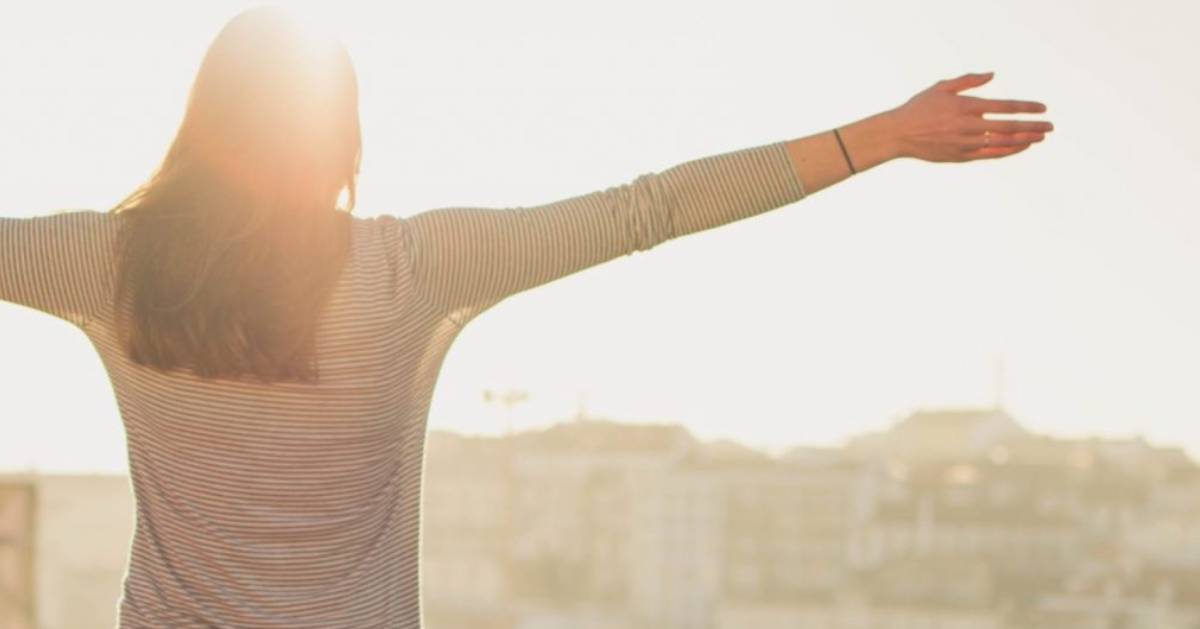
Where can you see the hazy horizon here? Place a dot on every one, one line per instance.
(582, 414)
(895, 290)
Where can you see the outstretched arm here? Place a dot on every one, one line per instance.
(463, 260)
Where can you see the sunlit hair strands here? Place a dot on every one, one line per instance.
(228, 253)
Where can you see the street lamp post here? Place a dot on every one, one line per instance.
(508, 399)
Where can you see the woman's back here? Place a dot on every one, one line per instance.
(284, 504)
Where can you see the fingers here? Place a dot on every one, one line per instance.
(992, 152)
(1008, 126)
(963, 82)
(1001, 139)
(1001, 106)
(999, 145)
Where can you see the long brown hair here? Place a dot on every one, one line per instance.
(229, 251)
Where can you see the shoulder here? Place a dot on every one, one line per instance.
(81, 231)
(83, 216)
(386, 236)
(96, 230)
(387, 228)
(384, 221)
(83, 221)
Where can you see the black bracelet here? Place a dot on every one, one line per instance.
(839, 139)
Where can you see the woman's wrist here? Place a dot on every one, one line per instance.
(819, 161)
(872, 141)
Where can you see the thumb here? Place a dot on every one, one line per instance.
(966, 81)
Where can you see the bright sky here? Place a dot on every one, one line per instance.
(1076, 261)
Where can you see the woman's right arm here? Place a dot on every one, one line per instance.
(463, 260)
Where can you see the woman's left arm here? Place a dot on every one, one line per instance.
(58, 264)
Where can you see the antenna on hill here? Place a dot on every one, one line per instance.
(581, 407)
(998, 374)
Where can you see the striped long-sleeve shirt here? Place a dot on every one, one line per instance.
(298, 505)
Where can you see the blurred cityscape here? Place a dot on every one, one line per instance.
(949, 519)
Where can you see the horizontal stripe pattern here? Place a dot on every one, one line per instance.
(297, 505)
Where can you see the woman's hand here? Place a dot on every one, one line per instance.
(940, 125)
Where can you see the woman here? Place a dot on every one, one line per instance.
(273, 357)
